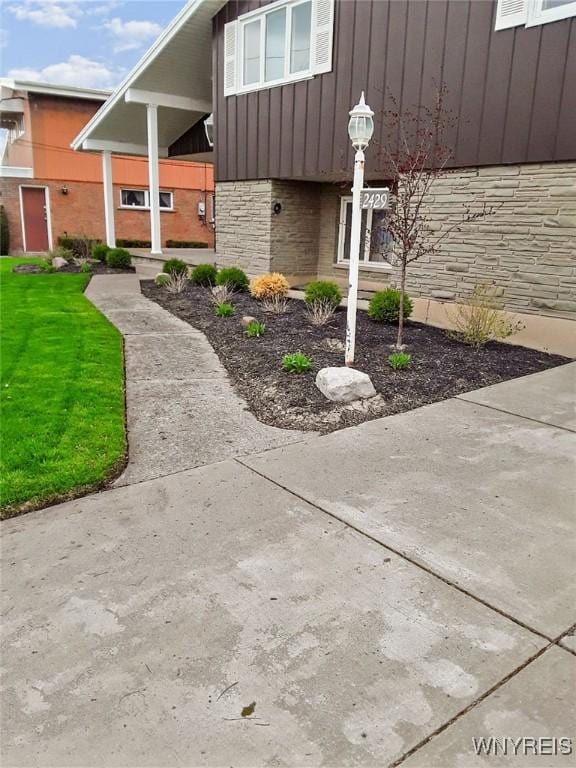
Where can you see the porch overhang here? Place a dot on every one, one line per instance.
(175, 75)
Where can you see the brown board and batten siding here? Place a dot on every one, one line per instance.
(513, 90)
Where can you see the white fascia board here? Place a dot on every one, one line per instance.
(137, 96)
(8, 171)
(119, 147)
(69, 91)
(171, 30)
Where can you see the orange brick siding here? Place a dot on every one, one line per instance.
(81, 211)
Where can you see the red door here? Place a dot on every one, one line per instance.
(35, 218)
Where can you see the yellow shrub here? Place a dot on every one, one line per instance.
(269, 286)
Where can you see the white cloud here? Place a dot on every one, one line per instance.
(48, 13)
(128, 35)
(78, 70)
(102, 9)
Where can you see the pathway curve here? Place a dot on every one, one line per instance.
(182, 411)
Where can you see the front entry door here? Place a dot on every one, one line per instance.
(35, 214)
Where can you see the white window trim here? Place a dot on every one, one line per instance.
(147, 198)
(365, 262)
(529, 13)
(262, 13)
(536, 14)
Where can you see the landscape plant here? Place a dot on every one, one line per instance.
(224, 309)
(322, 290)
(221, 294)
(320, 312)
(296, 362)
(118, 258)
(480, 318)
(100, 251)
(276, 305)
(176, 282)
(60, 252)
(234, 277)
(269, 286)
(85, 267)
(175, 265)
(162, 279)
(416, 159)
(255, 329)
(385, 306)
(399, 360)
(204, 274)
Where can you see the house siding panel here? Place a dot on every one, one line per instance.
(509, 90)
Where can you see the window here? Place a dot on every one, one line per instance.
(529, 13)
(374, 240)
(139, 198)
(285, 41)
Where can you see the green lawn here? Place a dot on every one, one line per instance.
(62, 390)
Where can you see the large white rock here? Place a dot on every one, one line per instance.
(343, 385)
(58, 262)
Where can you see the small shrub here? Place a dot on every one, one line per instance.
(234, 277)
(185, 244)
(204, 274)
(255, 329)
(269, 286)
(176, 282)
(224, 309)
(4, 233)
(175, 265)
(80, 245)
(118, 258)
(221, 294)
(296, 362)
(275, 304)
(385, 306)
(46, 266)
(100, 251)
(85, 267)
(130, 243)
(320, 311)
(322, 290)
(399, 360)
(480, 319)
(162, 279)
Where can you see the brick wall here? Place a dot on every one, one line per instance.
(81, 211)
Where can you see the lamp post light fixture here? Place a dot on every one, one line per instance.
(360, 130)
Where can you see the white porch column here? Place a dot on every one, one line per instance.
(153, 175)
(108, 199)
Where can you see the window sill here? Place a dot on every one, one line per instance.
(144, 210)
(275, 84)
(363, 267)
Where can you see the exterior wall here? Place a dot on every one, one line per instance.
(252, 236)
(81, 211)
(511, 92)
(527, 248)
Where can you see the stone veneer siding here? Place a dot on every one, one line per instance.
(250, 235)
(527, 248)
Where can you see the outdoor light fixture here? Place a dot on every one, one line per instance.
(64, 190)
(209, 129)
(360, 130)
(361, 124)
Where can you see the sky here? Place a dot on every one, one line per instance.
(87, 43)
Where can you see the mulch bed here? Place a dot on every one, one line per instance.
(97, 268)
(441, 366)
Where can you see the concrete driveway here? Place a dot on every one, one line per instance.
(375, 597)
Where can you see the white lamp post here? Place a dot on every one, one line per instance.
(360, 130)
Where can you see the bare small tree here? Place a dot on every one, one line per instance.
(416, 162)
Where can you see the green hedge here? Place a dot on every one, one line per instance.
(127, 243)
(77, 243)
(4, 233)
(185, 244)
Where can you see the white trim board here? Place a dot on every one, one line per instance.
(15, 172)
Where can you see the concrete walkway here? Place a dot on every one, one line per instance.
(374, 597)
(182, 411)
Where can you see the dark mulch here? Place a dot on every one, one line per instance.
(441, 366)
(97, 268)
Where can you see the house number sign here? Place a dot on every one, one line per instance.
(376, 199)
